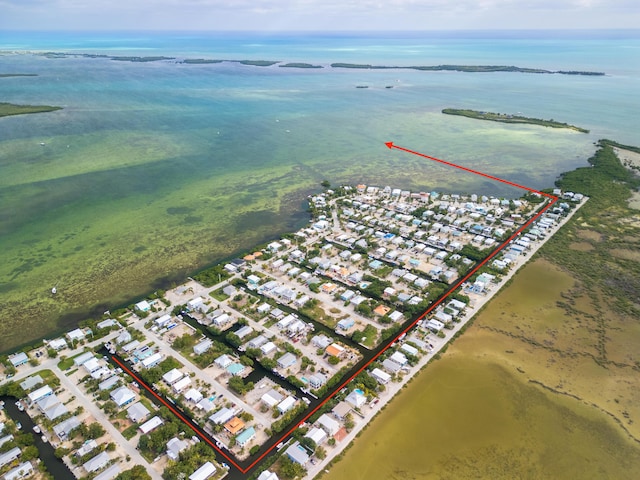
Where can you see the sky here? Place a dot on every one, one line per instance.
(317, 15)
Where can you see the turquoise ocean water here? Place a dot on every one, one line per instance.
(144, 137)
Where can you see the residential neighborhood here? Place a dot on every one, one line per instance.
(198, 381)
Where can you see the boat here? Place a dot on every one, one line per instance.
(44, 439)
(18, 425)
(36, 429)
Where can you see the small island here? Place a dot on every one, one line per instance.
(7, 75)
(199, 61)
(8, 109)
(141, 59)
(506, 118)
(300, 65)
(257, 63)
(464, 68)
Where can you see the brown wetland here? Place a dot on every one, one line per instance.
(517, 396)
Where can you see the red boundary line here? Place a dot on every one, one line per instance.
(452, 289)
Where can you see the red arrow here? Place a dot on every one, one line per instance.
(392, 146)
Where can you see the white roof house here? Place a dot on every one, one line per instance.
(267, 475)
(91, 365)
(202, 346)
(380, 376)
(82, 358)
(137, 412)
(131, 346)
(122, 396)
(76, 334)
(162, 321)
(109, 474)
(97, 462)
(286, 360)
(174, 447)
(109, 322)
(58, 343)
(172, 376)
(21, 471)
(193, 395)
(143, 306)
(181, 384)
(9, 456)
(267, 348)
(56, 411)
(222, 416)
(286, 404)
(109, 383)
(399, 358)
(63, 428)
(328, 424)
(151, 424)
(40, 393)
(272, 398)
(223, 361)
(152, 360)
(356, 399)
(204, 472)
(297, 454)
(316, 434)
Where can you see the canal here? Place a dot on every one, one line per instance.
(56, 467)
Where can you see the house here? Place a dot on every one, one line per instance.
(223, 361)
(5, 439)
(381, 310)
(317, 435)
(321, 341)
(109, 474)
(9, 456)
(124, 337)
(205, 404)
(246, 436)
(152, 360)
(46, 403)
(286, 404)
(335, 350)
(137, 412)
(75, 335)
(151, 424)
(243, 331)
(267, 348)
(97, 462)
(109, 383)
(162, 321)
(272, 398)
(297, 454)
(172, 376)
(143, 306)
(40, 394)
(234, 425)
(264, 308)
(380, 376)
(317, 380)
(58, 344)
(87, 447)
(108, 323)
(222, 416)
(435, 326)
(181, 384)
(21, 471)
(63, 428)
(286, 360)
(193, 395)
(341, 410)
(346, 323)
(222, 320)
(19, 359)
(229, 290)
(391, 366)
(257, 342)
(131, 346)
(409, 349)
(399, 358)
(202, 346)
(236, 369)
(122, 396)
(174, 447)
(396, 316)
(204, 472)
(328, 424)
(267, 475)
(31, 382)
(356, 399)
(195, 304)
(91, 365)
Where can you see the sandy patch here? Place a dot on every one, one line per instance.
(581, 246)
(589, 235)
(626, 254)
